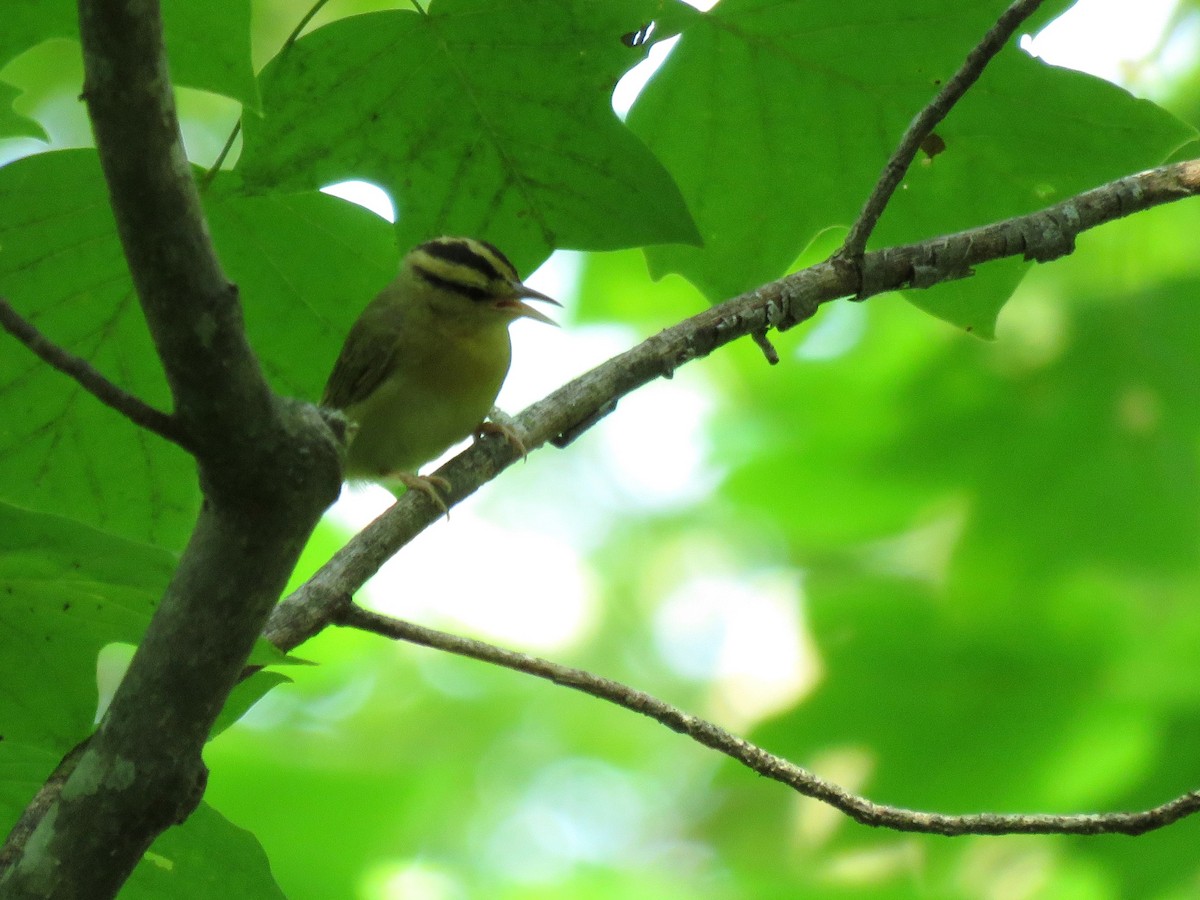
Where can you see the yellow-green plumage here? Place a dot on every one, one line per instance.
(421, 368)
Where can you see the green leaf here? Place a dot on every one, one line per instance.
(28, 23)
(306, 265)
(12, 123)
(65, 592)
(205, 857)
(800, 105)
(797, 104)
(244, 695)
(208, 44)
(265, 653)
(1001, 161)
(62, 451)
(421, 112)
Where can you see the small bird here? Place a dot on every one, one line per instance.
(422, 365)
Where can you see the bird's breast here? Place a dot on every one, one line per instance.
(437, 394)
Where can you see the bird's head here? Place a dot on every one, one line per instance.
(465, 279)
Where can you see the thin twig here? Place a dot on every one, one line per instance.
(927, 119)
(81, 371)
(767, 764)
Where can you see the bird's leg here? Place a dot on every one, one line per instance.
(499, 422)
(429, 485)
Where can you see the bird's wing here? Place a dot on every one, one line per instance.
(365, 361)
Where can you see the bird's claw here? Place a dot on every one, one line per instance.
(505, 430)
(429, 485)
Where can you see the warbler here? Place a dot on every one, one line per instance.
(422, 365)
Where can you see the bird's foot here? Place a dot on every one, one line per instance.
(500, 423)
(429, 485)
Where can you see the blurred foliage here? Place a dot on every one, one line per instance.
(952, 574)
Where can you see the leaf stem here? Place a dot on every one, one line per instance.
(209, 175)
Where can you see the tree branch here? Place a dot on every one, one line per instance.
(191, 308)
(87, 377)
(268, 469)
(782, 304)
(767, 764)
(926, 120)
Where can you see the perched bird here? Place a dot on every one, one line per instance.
(424, 362)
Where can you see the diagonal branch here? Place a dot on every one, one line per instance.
(926, 120)
(767, 764)
(87, 377)
(782, 304)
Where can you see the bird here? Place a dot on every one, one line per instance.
(422, 365)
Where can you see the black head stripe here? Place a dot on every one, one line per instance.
(467, 290)
(463, 254)
(495, 251)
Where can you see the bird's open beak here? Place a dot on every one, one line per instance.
(515, 307)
